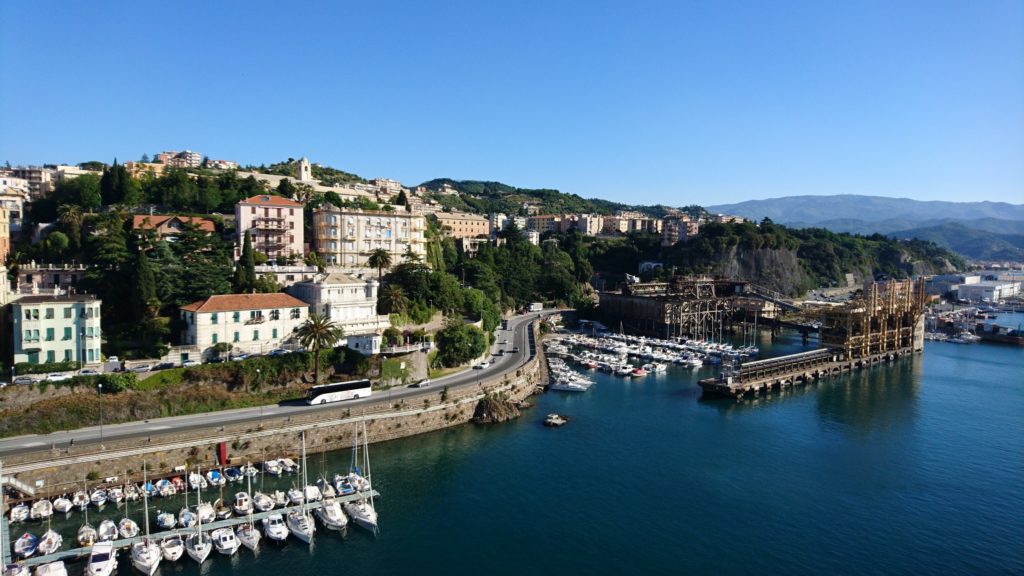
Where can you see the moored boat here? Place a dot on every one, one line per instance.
(50, 542)
(225, 542)
(62, 505)
(102, 560)
(107, 531)
(26, 545)
(172, 547)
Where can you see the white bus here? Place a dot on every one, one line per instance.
(338, 391)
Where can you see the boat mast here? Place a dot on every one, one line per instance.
(303, 473)
(145, 501)
(3, 518)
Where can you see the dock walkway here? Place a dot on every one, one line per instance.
(753, 378)
(76, 553)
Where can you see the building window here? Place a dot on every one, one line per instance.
(236, 337)
(92, 355)
(67, 332)
(275, 314)
(28, 336)
(255, 335)
(273, 334)
(213, 318)
(67, 355)
(237, 316)
(49, 334)
(67, 313)
(50, 356)
(214, 340)
(295, 314)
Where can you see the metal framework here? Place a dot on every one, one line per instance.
(888, 318)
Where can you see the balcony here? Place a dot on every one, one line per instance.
(270, 224)
(256, 320)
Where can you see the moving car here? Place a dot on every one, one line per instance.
(57, 377)
(88, 372)
(141, 368)
(279, 352)
(421, 383)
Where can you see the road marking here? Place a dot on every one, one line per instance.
(31, 444)
(158, 427)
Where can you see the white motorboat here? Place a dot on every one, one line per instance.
(196, 481)
(331, 515)
(342, 486)
(50, 542)
(249, 470)
(166, 520)
(272, 467)
(275, 528)
(295, 495)
(107, 531)
(115, 494)
(221, 510)
(20, 513)
(215, 478)
(205, 512)
(26, 545)
(62, 505)
(225, 542)
(16, 570)
(172, 547)
(165, 488)
(80, 499)
(146, 556)
(243, 503)
(186, 518)
(312, 494)
(132, 492)
(98, 497)
(86, 535)
(102, 560)
(198, 545)
(262, 503)
(249, 536)
(326, 490)
(289, 466)
(280, 498)
(51, 569)
(362, 513)
(128, 528)
(41, 510)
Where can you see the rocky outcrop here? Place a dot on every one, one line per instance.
(777, 269)
(494, 408)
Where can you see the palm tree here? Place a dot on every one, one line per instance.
(379, 259)
(316, 333)
(393, 300)
(411, 256)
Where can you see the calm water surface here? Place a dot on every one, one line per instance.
(912, 468)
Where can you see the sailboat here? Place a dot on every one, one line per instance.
(107, 531)
(146, 554)
(52, 569)
(247, 533)
(186, 517)
(50, 542)
(199, 544)
(172, 547)
(86, 533)
(362, 511)
(8, 569)
(299, 521)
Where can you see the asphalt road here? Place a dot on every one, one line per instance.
(517, 335)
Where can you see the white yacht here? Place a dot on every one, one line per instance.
(50, 542)
(80, 499)
(41, 510)
(166, 520)
(107, 531)
(275, 528)
(262, 502)
(243, 503)
(128, 528)
(198, 546)
(362, 513)
(86, 535)
(224, 541)
(102, 560)
(172, 547)
(248, 535)
(146, 556)
(331, 515)
(295, 496)
(62, 505)
(52, 569)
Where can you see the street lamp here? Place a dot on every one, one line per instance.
(99, 390)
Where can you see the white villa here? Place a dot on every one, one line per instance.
(349, 301)
(249, 323)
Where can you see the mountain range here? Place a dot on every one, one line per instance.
(977, 230)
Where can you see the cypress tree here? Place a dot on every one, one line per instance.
(245, 269)
(143, 297)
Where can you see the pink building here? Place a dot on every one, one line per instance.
(273, 222)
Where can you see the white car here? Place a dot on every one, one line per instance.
(88, 372)
(188, 363)
(57, 377)
(24, 380)
(482, 365)
(113, 359)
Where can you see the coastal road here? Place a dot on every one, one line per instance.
(516, 334)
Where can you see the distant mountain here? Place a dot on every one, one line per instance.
(977, 230)
(813, 210)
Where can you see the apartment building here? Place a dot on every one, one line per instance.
(677, 228)
(544, 223)
(463, 225)
(170, 225)
(248, 323)
(56, 328)
(40, 179)
(346, 237)
(274, 224)
(5, 235)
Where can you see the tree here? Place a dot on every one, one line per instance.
(70, 218)
(316, 333)
(393, 300)
(459, 343)
(143, 302)
(315, 259)
(411, 256)
(379, 259)
(56, 244)
(401, 200)
(286, 188)
(245, 269)
(145, 158)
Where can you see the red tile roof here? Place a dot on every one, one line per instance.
(270, 200)
(152, 221)
(231, 302)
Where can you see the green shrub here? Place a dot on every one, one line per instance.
(31, 368)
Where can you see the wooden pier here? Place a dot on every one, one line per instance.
(74, 554)
(764, 376)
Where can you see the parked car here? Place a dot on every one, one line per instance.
(24, 380)
(216, 360)
(190, 362)
(279, 352)
(164, 366)
(58, 377)
(113, 359)
(88, 372)
(239, 357)
(142, 368)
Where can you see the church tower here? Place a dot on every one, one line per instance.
(305, 170)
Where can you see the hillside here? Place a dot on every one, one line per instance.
(818, 209)
(971, 242)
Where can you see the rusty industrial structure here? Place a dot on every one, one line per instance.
(692, 306)
(888, 318)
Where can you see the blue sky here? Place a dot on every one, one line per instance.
(645, 102)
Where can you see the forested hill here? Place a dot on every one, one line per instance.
(819, 209)
(489, 197)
